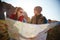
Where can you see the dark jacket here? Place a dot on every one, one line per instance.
(40, 19)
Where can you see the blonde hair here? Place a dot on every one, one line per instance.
(16, 12)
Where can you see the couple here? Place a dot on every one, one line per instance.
(21, 15)
(38, 18)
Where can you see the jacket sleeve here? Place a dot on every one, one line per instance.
(31, 20)
(45, 20)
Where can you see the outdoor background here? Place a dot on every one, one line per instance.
(51, 8)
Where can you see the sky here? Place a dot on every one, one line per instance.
(51, 8)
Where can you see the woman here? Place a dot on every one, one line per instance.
(18, 15)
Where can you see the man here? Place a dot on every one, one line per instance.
(38, 18)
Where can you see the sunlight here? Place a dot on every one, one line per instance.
(50, 7)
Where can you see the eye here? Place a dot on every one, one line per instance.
(21, 12)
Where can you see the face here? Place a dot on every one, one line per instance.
(36, 12)
(20, 13)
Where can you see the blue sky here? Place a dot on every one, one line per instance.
(51, 8)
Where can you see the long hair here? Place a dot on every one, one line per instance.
(16, 11)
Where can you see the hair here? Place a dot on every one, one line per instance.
(38, 8)
(18, 8)
(16, 11)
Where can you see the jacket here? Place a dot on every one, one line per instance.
(40, 19)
